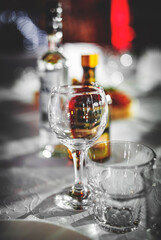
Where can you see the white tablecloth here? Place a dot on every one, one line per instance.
(27, 181)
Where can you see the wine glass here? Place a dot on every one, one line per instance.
(78, 116)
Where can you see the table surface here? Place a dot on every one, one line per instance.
(27, 180)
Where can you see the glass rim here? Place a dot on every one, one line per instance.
(59, 90)
(116, 166)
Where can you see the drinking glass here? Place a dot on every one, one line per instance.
(119, 183)
(78, 116)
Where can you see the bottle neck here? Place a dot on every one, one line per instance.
(88, 76)
(54, 25)
(54, 42)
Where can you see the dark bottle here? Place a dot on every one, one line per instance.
(102, 151)
(89, 63)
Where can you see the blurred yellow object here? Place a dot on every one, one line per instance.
(101, 151)
(70, 154)
(75, 81)
(121, 106)
(121, 112)
(60, 151)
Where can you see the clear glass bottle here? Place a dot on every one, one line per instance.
(53, 71)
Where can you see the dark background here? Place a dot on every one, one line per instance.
(87, 21)
(83, 21)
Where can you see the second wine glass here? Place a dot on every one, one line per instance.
(78, 116)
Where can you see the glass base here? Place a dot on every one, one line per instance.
(67, 200)
(52, 207)
(115, 229)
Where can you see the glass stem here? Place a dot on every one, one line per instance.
(78, 190)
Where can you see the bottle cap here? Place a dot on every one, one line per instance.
(90, 60)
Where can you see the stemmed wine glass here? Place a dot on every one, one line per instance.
(78, 116)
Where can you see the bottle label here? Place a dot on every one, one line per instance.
(88, 76)
(49, 80)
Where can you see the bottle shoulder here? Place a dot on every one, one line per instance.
(53, 57)
(51, 60)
